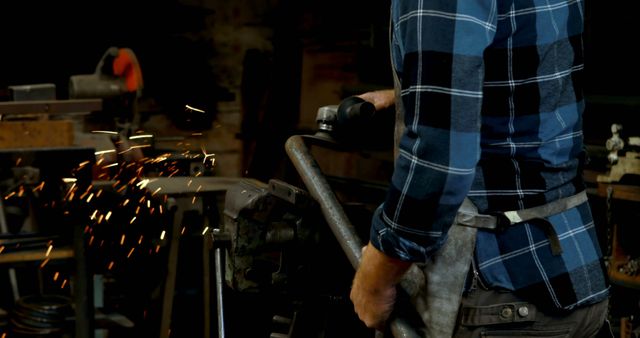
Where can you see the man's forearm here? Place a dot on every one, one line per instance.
(373, 291)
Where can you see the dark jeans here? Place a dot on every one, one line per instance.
(489, 313)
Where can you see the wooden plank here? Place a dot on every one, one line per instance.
(36, 134)
(30, 256)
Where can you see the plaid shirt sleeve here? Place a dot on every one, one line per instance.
(437, 53)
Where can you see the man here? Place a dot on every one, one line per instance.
(491, 93)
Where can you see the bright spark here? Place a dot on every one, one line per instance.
(104, 132)
(205, 230)
(162, 234)
(194, 109)
(44, 263)
(102, 152)
(135, 137)
(143, 183)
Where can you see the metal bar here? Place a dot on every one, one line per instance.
(172, 267)
(83, 290)
(50, 106)
(206, 285)
(219, 261)
(320, 189)
(13, 279)
(334, 214)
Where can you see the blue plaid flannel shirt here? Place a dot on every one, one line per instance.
(493, 107)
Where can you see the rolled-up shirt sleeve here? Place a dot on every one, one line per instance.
(437, 54)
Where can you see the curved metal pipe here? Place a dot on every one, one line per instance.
(334, 214)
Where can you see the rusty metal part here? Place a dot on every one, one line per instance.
(340, 225)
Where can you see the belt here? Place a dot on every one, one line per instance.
(499, 221)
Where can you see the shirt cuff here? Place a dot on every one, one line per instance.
(384, 238)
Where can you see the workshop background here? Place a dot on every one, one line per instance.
(210, 92)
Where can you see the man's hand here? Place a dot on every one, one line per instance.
(381, 99)
(373, 292)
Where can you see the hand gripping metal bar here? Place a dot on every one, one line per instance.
(343, 230)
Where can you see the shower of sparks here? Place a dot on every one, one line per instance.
(105, 132)
(162, 234)
(205, 230)
(194, 109)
